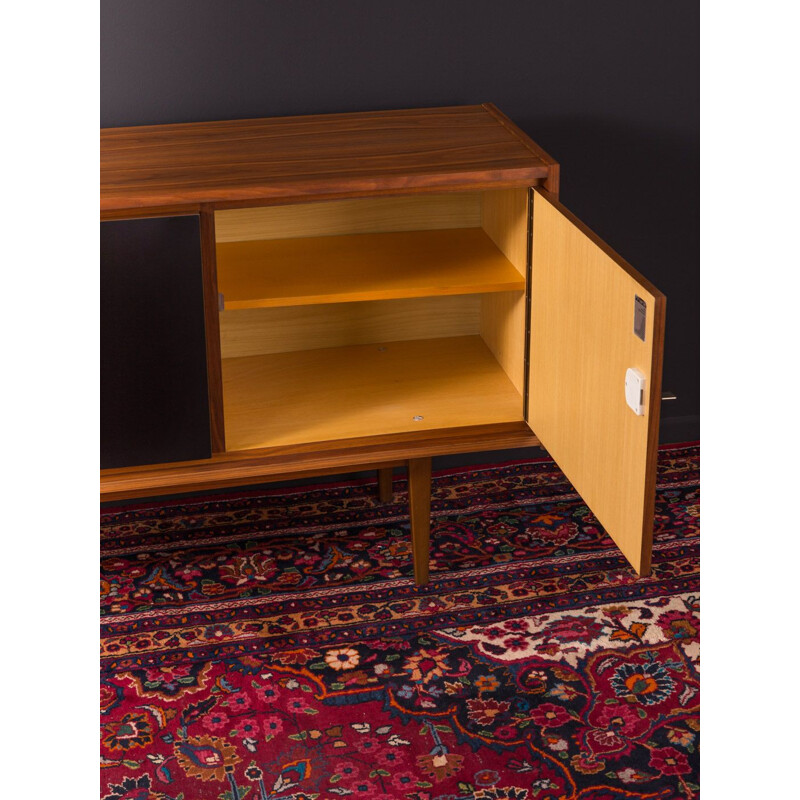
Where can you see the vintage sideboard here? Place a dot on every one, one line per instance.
(301, 296)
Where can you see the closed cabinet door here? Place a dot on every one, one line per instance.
(594, 323)
(154, 393)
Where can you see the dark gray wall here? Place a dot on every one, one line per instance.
(610, 89)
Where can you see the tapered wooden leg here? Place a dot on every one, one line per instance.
(419, 504)
(385, 485)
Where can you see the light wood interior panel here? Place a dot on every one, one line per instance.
(504, 216)
(333, 393)
(368, 266)
(307, 298)
(420, 212)
(502, 326)
(276, 330)
(582, 342)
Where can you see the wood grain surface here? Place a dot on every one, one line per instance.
(385, 482)
(269, 273)
(452, 152)
(581, 343)
(419, 509)
(249, 467)
(260, 161)
(344, 392)
(552, 181)
(504, 217)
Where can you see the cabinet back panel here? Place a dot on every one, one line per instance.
(257, 331)
(373, 215)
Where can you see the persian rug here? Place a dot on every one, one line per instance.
(272, 644)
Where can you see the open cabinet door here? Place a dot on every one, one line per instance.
(592, 317)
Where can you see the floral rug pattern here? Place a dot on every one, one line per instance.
(272, 644)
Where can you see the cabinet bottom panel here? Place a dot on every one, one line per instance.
(364, 390)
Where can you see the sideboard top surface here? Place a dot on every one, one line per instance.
(233, 163)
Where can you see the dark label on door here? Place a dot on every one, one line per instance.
(639, 316)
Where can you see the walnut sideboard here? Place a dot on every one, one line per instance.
(301, 296)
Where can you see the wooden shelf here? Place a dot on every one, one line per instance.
(364, 390)
(267, 273)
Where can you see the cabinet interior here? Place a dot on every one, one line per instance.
(371, 316)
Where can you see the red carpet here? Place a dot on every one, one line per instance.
(272, 644)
